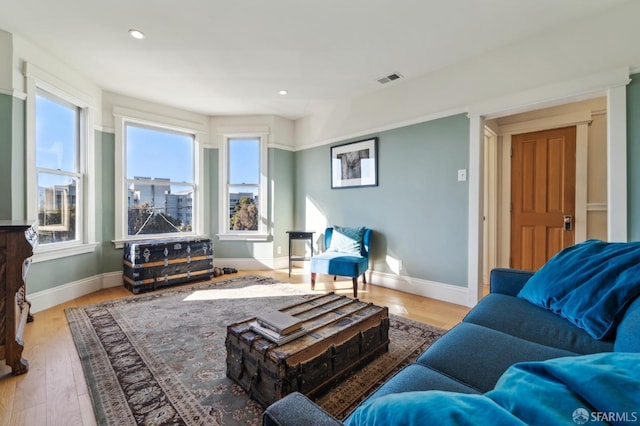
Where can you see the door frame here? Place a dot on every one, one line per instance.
(611, 84)
(492, 177)
(581, 121)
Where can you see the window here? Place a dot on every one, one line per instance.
(243, 187)
(244, 184)
(60, 164)
(58, 169)
(160, 180)
(159, 172)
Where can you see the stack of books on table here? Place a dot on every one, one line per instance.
(278, 327)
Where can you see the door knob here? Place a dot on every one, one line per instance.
(568, 222)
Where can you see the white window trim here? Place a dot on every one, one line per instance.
(224, 234)
(36, 78)
(122, 116)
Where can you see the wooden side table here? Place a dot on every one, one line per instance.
(298, 235)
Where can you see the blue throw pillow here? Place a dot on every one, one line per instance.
(562, 391)
(590, 284)
(347, 240)
(418, 408)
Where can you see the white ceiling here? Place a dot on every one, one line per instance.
(232, 57)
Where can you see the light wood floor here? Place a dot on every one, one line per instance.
(54, 391)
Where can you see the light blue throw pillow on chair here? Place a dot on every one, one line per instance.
(347, 240)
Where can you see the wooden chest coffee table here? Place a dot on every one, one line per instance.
(343, 333)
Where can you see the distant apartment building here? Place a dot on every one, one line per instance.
(156, 193)
(56, 204)
(180, 206)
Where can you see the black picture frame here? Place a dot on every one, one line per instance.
(355, 164)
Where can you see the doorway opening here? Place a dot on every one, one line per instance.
(534, 135)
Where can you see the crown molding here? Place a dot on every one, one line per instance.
(14, 93)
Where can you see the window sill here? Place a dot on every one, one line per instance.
(243, 237)
(44, 254)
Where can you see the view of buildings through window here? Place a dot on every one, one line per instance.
(59, 191)
(160, 176)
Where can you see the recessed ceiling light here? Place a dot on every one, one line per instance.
(137, 34)
(283, 92)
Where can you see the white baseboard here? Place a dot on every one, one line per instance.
(252, 263)
(46, 299)
(426, 288)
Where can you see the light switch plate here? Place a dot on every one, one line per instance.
(462, 175)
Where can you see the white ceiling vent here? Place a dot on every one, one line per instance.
(389, 78)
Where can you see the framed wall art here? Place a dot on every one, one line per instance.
(355, 164)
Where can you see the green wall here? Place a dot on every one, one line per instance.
(6, 148)
(111, 258)
(18, 137)
(211, 195)
(633, 158)
(281, 191)
(418, 211)
(12, 139)
(65, 270)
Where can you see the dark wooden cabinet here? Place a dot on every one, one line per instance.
(17, 241)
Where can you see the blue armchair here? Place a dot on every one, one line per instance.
(346, 255)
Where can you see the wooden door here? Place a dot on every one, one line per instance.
(543, 180)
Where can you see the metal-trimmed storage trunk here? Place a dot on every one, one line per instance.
(151, 264)
(343, 334)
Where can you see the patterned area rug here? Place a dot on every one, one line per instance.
(159, 358)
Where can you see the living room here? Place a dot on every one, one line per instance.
(429, 224)
(436, 127)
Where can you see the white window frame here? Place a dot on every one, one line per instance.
(224, 233)
(38, 79)
(124, 116)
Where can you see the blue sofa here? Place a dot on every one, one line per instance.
(514, 346)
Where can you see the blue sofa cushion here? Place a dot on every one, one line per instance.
(589, 284)
(557, 391)
(347, 240)
(520, 318)
(419, 377)
(627, 335)
(508, 281)
(466, 346)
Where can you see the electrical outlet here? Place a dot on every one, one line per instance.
(279, 249)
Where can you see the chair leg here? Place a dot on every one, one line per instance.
(313, 281)
(335, 277)
(355, 287)
(364, 279)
